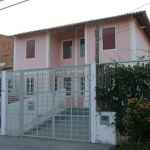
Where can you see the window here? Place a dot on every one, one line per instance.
(0, 88)
(6, 45)
(67, 85)
(56, 81)
(82, 85)
(6, 57)
(82, 48)
(30, 49)
(29, 86)
(67, 49)
(109, 38)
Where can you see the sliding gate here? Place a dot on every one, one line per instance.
(51, 103)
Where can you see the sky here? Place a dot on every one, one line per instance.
(40, 14)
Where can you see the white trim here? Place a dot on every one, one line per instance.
(26, 49)
(102, 38)
(14, 55)
(133, 39)
(86, 49)
(47, 49)
(3, 104)
(30, 87)
(93, 104)
(63, 51)
(76, 47)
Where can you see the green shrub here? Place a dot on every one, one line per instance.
(137, 118)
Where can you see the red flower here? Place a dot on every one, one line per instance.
(148, 119)
(142, 106)
(135, 111)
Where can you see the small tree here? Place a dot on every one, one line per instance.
(137, 118)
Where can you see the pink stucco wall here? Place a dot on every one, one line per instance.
(122, 42)
(122, 52)
(21, 63)
(142, 42)
(56, 47)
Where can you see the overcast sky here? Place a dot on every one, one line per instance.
(39, 14)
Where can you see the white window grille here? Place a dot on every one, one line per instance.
(29, 86)
(82, 48)
(82, 85)
(67, 85)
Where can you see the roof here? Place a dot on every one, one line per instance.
(141, 17)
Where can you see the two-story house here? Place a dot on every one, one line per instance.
(58, 101)
(121, 38)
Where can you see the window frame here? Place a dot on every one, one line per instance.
(34, 49)
(6, 57)
(114, 37)
(30, 93)
(63, 49)
(6, 47)
(56, 83)
(82, 92)
(80, 47)
(68, 87)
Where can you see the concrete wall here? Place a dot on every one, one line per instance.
(106, 133)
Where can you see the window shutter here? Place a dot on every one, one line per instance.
(109, 38)
(67, 49)
(82, 48)
(30, 51)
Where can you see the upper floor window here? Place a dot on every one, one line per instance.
(82, 48)
(67, 49)
(6, 45)
(109, 38)
(30, 49)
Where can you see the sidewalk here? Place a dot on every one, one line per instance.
(27, 143)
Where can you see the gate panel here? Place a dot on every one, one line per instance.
(73, 123)
(52, 103)
(0, 96)
(13, 122)
(37, 104)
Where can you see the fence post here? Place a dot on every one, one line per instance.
(93, 103)
(3, 103)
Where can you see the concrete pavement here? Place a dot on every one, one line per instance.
(28, 143)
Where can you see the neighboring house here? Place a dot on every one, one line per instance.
(6, 52)
(122, 38)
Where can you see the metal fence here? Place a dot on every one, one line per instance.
(105, 71)
(106, 81)
(0, 96)
(52, 103)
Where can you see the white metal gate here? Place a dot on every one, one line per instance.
(52, 103)
(0, 96)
